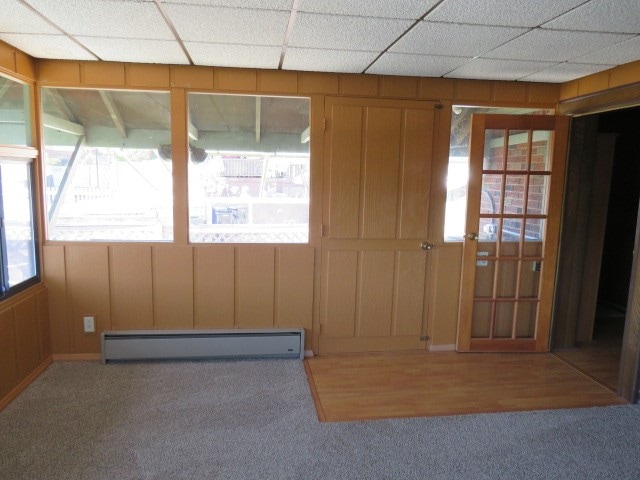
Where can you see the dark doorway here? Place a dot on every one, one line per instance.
(596, 345)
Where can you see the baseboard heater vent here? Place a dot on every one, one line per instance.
(202, 344)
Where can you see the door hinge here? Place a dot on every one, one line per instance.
(438, 106)
(424, 338)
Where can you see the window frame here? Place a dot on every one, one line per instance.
(27, 156)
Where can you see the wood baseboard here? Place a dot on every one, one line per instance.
(77, 357)
(443, 348)
(11, 396)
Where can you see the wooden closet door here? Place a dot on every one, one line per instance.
(375, 245)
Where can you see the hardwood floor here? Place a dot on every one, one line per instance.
(409, 384)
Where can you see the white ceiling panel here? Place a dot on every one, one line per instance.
(333, 32)
(555, 45)
(106, 18)
(259, 4)
(486, 68)
(565, 72)
(47, 46)
(516, 13)
(415, 65)
(621, 16)
(413, 9)
(452, 39)
(229, 25)
(16, 18)
(624, 52)
(327, 60)
(226, 55)
(136, 50)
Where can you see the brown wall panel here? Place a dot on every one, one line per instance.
(409, 292)
(399, 87)
(103, 73)
(255, 286)
(8, 353)
(359, 85)
(145, 75)
(544, 93)
(593, 83)
(44, 324)
(56, 280)
(214, 299)
(509, 92)
(382, 160)
(446, 272)
(312, 82)
(416, 172)
(474, 90)
(339, 304)
(59, 72)
(624, 74)
(87, 270)
(344, 171)
(27, 336)
(173, 287)
(277, 81)
(436, 88)
(25, 65)
(131, 287)
(239, 79)
(294, 301)
(187, 76)
(375, 302)
(7, 57)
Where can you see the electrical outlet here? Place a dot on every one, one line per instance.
(89, 324)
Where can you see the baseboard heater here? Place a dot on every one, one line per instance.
(202, 344)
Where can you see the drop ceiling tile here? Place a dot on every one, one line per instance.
(621, 16)
(336, 32)
(565, 72)
(106, 18)
(196, 23)
(516, 13)
(240, 56)
(452, 39)
(554, 45)
(257, 4)
(135, 50)
(47, 46)
(317, 60)
(624, 52)
(416, 65)
(16, 18)
(491, 69)
(413, 9)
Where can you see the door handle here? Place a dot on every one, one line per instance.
(427, 246)
(472, 236)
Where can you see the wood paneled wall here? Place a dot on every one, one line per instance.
(183, 286)
(134, 287)
(599, 82)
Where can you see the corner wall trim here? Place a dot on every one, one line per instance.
(11, 396)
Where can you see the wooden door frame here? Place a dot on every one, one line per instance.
(628, 380)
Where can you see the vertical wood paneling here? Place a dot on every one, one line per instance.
(7, 57)
(214, 303)
(27, 336)
(88, 284)
(277, 81)
(45, 326)
(188, 76)
(340, 301)
(295, 287)
(409, 292)
(473, 90)
(345, 150)
(56, 281)
(255, 286)
(25, 65)
(131, 287)
(314, 82)
(416, 171)
(436, 88)
(382, 157)
(359, 85)
(238, 79)
(59, 72)
(399, 87)
(147, 75)
(8, 354)
(375, 299)
(446, 271)
(103, 73)
(173, 287)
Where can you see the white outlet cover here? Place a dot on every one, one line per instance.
(89, 324)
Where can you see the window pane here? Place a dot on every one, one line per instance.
(108, 173)
(18, 220)
(15, 116)
(517, 156)
(248, 169)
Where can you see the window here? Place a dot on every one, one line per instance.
(15, 113)
(458, 173)
(248, 169)
(108, 175)
(17, 227)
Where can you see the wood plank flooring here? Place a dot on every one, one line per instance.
(409, 384)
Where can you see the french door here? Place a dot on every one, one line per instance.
(516, 180)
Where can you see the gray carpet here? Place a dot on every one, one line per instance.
(255, 420)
